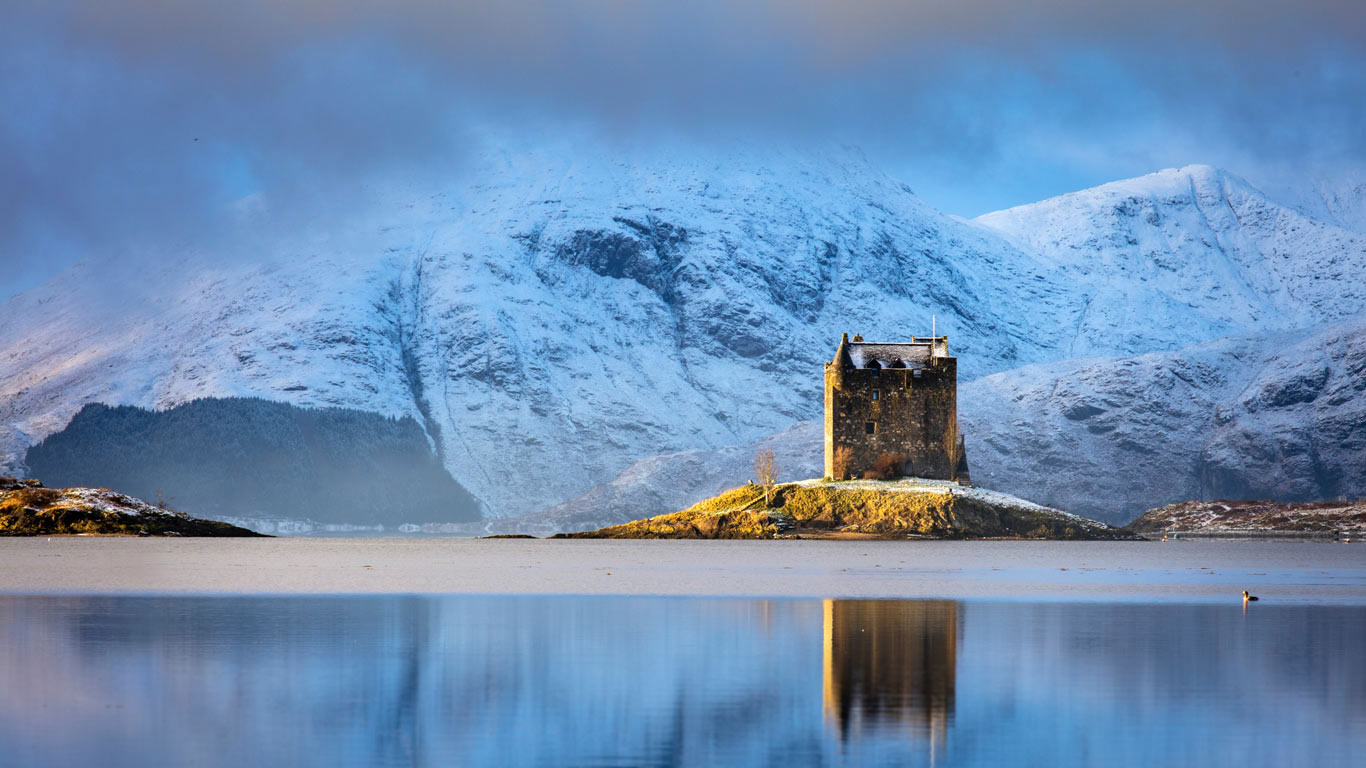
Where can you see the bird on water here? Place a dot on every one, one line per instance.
(1249, 598)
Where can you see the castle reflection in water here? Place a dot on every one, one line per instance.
(890, 665)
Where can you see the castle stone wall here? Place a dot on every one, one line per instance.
(912, 416)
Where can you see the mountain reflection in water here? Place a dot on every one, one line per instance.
(584, 681)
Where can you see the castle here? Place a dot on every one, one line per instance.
(894, 408)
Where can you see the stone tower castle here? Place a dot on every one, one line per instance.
(895, 400)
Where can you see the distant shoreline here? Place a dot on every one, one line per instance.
(1234, 535)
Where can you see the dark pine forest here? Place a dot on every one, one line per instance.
(250, 457)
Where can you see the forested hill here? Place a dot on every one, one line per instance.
(250, 457)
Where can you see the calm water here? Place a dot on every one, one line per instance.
(615, 681)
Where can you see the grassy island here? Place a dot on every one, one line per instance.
(891, 509)
(29, 509)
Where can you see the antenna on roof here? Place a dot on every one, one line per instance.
(932, 333)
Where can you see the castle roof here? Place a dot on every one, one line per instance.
(842, 353)
(903, 355)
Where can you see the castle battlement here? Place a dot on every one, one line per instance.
(893, 399)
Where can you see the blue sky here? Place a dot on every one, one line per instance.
(124, 125)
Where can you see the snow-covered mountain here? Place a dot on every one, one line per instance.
(1340, 200)
(559, 314)
(1187, 255)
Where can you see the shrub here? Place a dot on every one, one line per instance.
(37, 498)
(889, 465)
(844, 456)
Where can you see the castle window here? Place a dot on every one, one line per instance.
(875, 394)
(870, 428)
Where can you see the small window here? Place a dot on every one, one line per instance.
(870, 428)
(875, 394)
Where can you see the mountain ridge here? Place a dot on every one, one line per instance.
(568, 313)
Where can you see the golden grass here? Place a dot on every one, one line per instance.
(829, 511)
(871, 511)
(51, 512)
(734, 514)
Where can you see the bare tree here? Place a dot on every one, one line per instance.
(163, 503)
(766, 469)
(844, 458)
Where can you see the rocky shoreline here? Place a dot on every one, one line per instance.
(27, 508)
(1256, 519)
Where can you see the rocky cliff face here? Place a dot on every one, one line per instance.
(1280, 417)
(560, 314)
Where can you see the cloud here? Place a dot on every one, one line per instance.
(141, 121)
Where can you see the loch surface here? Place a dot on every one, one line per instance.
(1285, 572)
(385, 680)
